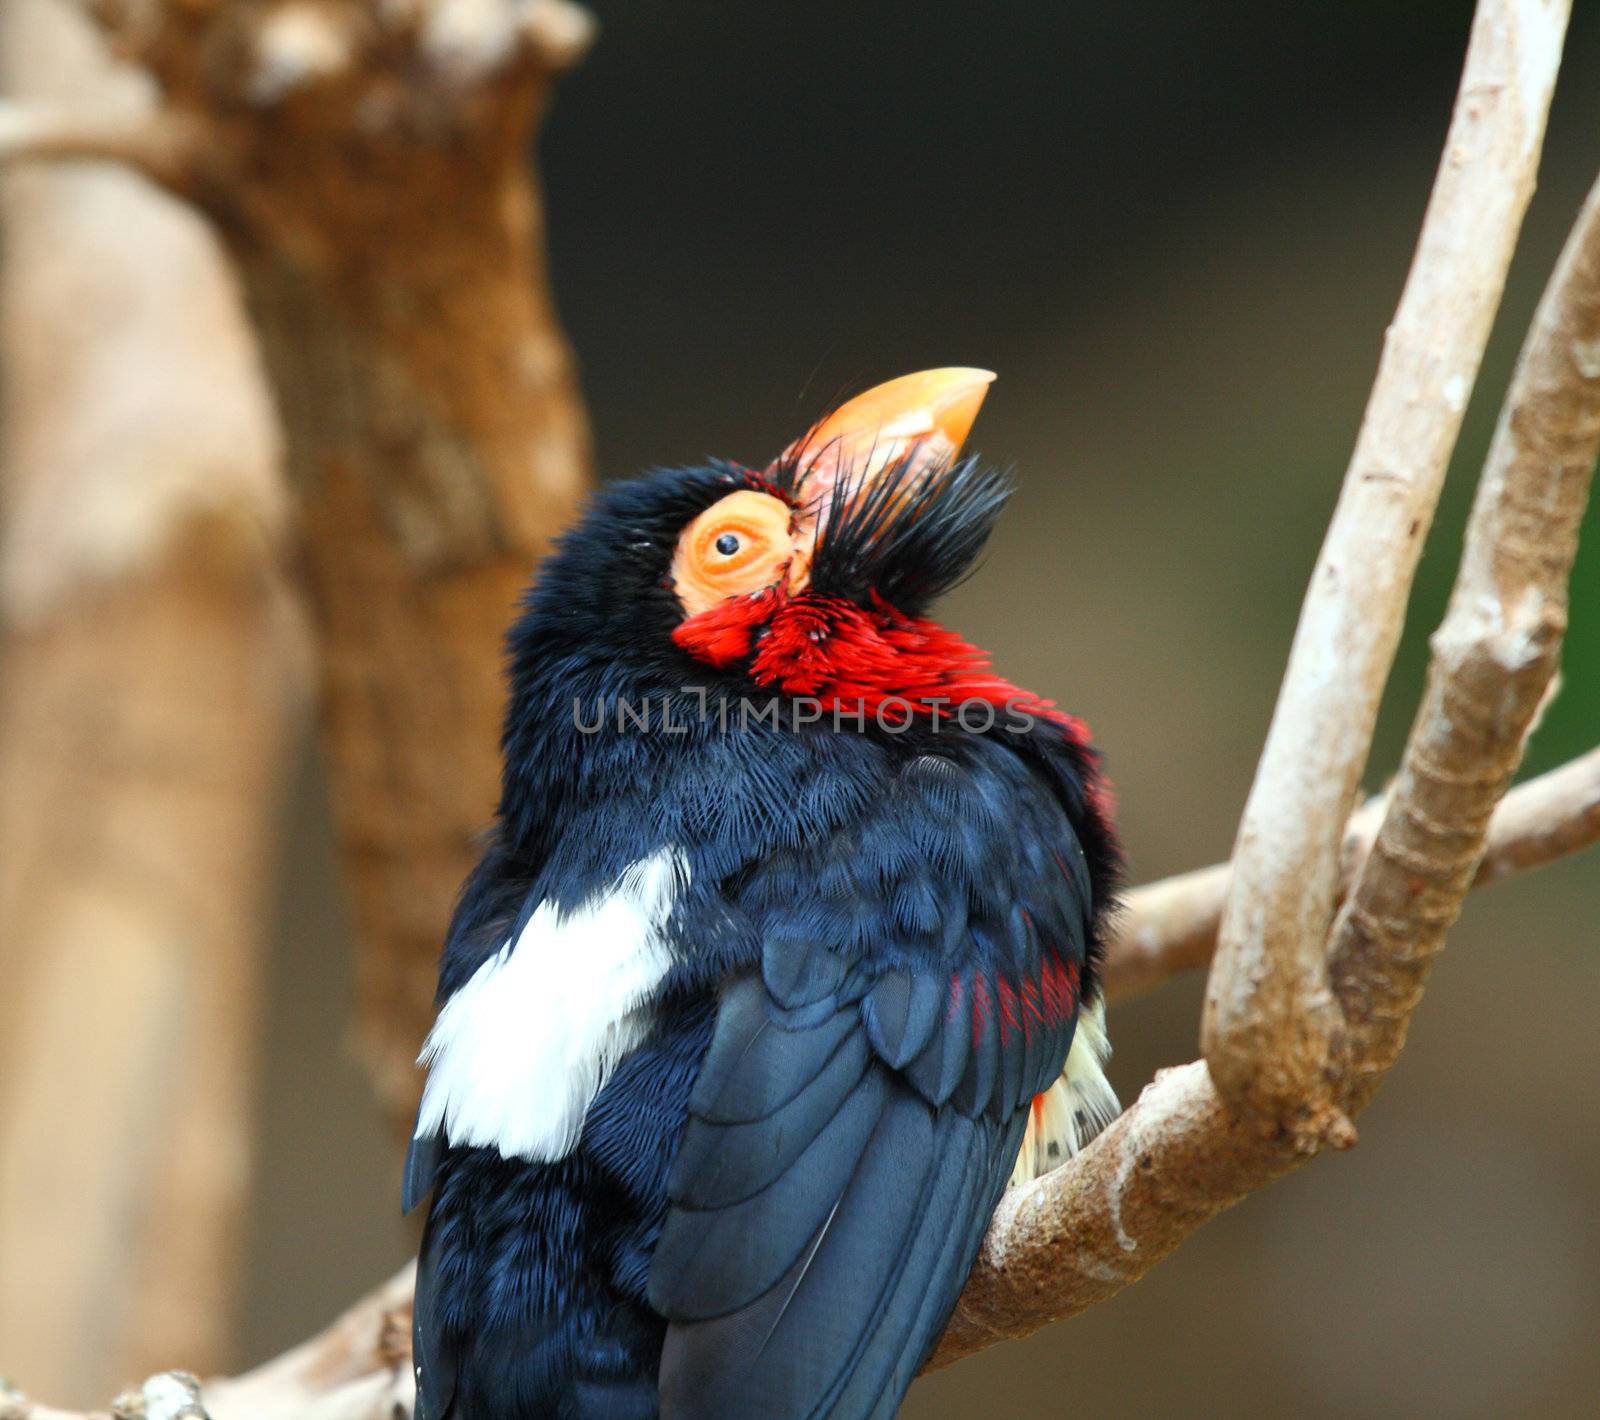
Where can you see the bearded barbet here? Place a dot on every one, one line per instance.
(781, 962)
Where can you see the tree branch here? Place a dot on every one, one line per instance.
(1269, 1017)
(1544, 820)
(359, 1368)
(1494, 656)
(1175, 1159)
(161, 145)
(1180, 1155)
(1170, 927)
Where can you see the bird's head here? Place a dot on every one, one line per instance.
(871, 506)
(809, 577)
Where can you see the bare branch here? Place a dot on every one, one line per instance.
(1269, 1016)
(1493, 658)
(1180, 1155)
(1544, 820)
(1170, 927)
(160, 145)
(1174, 1160)
(1165, 928)
(359, 1368)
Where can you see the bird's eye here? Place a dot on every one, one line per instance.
(741, 544)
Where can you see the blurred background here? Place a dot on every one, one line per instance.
(1177, 231)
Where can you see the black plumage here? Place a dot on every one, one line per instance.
(877, 953)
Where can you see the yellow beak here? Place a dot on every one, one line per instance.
(932, 410)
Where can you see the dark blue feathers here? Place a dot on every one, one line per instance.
(874, 961)
(860, 1013)
(860, 1106)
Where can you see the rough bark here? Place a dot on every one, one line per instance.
(153, 672)
(1269, 1015)
(369, 168)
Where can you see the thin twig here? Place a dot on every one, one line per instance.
(1269, 1017)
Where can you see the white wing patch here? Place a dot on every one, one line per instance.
(518, 1054)
(1077, 1107)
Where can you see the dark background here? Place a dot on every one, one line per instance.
(1177, 230)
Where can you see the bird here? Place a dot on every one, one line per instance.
(781, 961)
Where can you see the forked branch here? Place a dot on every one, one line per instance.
(1494, 658)
(1170, 927)
(1181, 1154)
(1269, 1016)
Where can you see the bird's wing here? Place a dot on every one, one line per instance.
(433, 1348)
(858, 1112)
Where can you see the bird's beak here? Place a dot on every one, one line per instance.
(928, 414)
(910, 424)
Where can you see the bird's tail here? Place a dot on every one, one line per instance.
(1077, 1107)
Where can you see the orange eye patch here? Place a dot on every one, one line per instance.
(740, 544)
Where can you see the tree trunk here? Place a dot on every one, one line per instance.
(369, 169)
(436, 443)
(152, 670)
